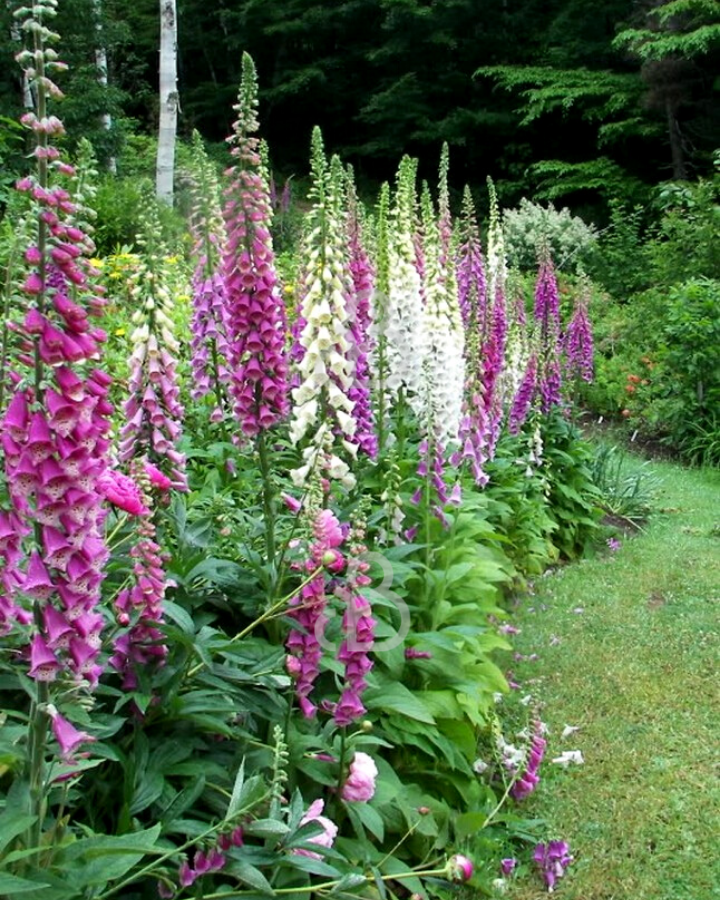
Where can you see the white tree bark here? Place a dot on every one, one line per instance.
(165, 169)
(16, 35)
(101, 64)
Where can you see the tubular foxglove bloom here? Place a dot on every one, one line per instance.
(403, 327)
(444, 362)
(256, 324)
(444, 372)
(55, 428)
(547, 318)
(153, 413)
(579, 339)
(522, 402)
(496, 258)
(209, 328)
(358, 628)
(308, 608)
(471, 281)
(552, 859)
(326, 373)
(139, 607)
(527, 780)
(363, 286)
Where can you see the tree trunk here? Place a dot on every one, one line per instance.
(165, 169)
(16, 36)
(676, 148)
(101, 64)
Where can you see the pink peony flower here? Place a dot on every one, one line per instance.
(326, 837)
(122, 492)
(360, 784)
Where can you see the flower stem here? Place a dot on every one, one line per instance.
(268, 509)
(268, 614)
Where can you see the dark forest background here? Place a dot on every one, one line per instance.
(540, 94)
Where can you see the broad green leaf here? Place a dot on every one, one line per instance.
(11, 885)
(250, 876)
(180, 616)
(468, 824)
(267, 828)
(234, 804)
(396, 698)
(99, 860)
(371, 819)
(12, 823)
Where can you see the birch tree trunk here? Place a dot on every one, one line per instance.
(165, 169)
(16, 36)
(101, 64)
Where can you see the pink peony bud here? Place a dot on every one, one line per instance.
(459, 868)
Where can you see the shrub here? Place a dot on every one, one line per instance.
(569, 238)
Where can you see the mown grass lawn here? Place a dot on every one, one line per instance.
(628, 651)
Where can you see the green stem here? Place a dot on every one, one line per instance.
(268, 614)
(428, 493)
(327, 885)
(147, 870)
(36, 754)
(268, 493)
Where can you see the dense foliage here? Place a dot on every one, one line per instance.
(254, 582)
(592, 105)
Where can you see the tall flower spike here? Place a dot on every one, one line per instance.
(444, 362)
(323, 407)
(579, 337)
(404, 325)
(496, 259)
(358, 632)
(363, 282)
(209, 343)
(139, 607)
(255, 311)
(153, 412)
(472, 288)
(476, 311)
(547, 319)
(379, 318)
(307, 608)
(55, 428)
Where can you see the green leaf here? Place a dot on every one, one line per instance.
(180, 616)
(234, 804)
(99, 860)
(11, 884)
(12, 823)
(348, 882)
(183, 801)
(267, 828)
(396, 698)
(468, 824)
(370, 818)
(250, 876)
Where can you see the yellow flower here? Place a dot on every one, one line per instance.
(97, 263)
(172, 260)
(288, 288)
(120, 332)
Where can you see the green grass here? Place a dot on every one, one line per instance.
(636, 671)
